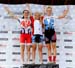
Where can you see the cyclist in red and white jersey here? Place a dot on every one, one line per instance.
(25, 33)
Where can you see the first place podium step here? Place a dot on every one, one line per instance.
(41, 66)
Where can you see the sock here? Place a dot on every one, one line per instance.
(54, 59)
(50, 58)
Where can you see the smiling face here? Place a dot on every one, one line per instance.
(48, 11)
(25, 13)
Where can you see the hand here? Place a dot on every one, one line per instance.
(7, 9)
(67, 8)
(44, 9)
(9, 12)
(28, 6)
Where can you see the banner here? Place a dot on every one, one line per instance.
(10, 36)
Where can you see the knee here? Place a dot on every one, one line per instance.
(34, 48)
(22, 48)
(49, 47)
(54, 46)
(40, 48)
(28, 49)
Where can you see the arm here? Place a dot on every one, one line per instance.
(41, 21)
(64, 13)
(44, 9)
(28, 6)
(31, 17)
(10, 13)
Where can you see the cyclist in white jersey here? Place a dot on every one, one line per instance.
(37, 34)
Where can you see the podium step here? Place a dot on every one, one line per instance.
(40, 66)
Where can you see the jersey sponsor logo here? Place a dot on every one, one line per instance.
(26, 27)
(25, 24)
(49, 25)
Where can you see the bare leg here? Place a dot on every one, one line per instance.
(22, 46)
(54, 51)
(28, 53)
(33, 52)
(49, 53)
(49, 49)
(40, 52)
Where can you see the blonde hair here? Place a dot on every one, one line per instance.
(37, 13)
(49, 7)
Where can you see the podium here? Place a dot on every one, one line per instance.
(41, 66)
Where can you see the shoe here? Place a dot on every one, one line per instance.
(21, 66)
(33, 62)
(41, 62)
(28, 62)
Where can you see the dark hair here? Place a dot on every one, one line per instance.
(23, 17)
(23, 12)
